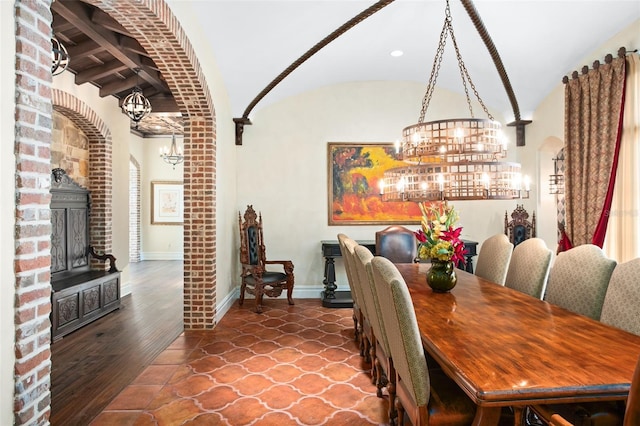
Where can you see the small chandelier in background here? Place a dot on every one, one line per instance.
(556, 180)
(453, 159)
(172, 155)
(135, 105)
(59, 57)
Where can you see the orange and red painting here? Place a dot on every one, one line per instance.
(355, 172)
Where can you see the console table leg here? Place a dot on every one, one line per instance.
(329, 278)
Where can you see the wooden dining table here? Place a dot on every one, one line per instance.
(506, 348)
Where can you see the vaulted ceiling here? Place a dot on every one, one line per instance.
(255, 40)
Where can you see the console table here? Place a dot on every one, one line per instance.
(342, 299)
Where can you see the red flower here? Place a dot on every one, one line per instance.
(421, 236)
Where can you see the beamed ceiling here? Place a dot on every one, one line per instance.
(103, 53)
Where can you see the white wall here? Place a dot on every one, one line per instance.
(282, 166)
(118, 124)
(7, 210)
(158, 242)
(227, 268)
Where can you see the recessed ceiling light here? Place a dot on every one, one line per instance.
(397, 53)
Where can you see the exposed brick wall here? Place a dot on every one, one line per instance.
(99, 182)
(153, 24)
(33, 216)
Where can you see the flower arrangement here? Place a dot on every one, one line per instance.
(438, 239)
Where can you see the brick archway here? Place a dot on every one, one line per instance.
(100, 149)
(165, 40)
(152, 23)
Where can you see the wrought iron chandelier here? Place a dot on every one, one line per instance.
(135, 105)
(172, 155)
(59, 57)
(453, 159)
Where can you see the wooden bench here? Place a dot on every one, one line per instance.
(79, 293)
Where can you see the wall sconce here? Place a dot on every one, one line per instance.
(556, 180)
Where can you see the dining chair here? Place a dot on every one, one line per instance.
(519, 228)
(629, 415)
(256, 277)
(529, 267)
(397, 243)
(426, 396)
(365, 325)
(350, 280)
(493, 259)
(380, 353)
(579, 279)
(621, 307)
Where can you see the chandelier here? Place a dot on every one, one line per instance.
(172, 155)
(453, 159)
(59, 57)
(135, 105)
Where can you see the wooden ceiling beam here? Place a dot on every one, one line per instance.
(76, 12)
(99, 71)
(132, 45)
(101, 19)
(85, 48)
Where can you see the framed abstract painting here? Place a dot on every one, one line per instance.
(355, 173)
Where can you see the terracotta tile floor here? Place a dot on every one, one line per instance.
(292, 365)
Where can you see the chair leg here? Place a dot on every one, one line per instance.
(258, 293)
(290, 293)
(391, 390)
(242, 288)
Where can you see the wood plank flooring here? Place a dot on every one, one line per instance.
(93, 365)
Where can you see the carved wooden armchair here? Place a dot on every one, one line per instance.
(519, 228)
(256, 280)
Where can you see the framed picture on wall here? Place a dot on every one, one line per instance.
(167, 203)
(354, 176)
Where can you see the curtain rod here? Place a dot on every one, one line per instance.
(596, 64)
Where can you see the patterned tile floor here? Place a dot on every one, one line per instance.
(292, 365)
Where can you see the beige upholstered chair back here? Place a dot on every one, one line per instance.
(350, 263)
(621, 306)
(529, 267)
(402, 329)
(341, 241)
(493, 259)
(579, 279)
(363, 257)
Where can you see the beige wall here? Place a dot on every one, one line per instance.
(7, 210)
(226, 163)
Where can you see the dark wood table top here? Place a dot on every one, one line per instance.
(505, 348)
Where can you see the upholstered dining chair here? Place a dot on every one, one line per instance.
(493, 259)
(364, 325)
(255, 278)
(529, 267)
(631, 411)
(397, 243)
(579, 279)
(519, 228)
(357, 315)
(621, 307)
(426, 396)
(380, 353)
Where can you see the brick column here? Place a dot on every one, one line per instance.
(33, 222)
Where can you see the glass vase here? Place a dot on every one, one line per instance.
(441, 277)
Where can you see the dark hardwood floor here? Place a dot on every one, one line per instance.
(93, 364)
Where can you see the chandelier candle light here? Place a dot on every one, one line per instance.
(172, 155)
(453, 159)
(135, 105)
(59, 57)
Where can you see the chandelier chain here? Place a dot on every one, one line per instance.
(447, 28)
